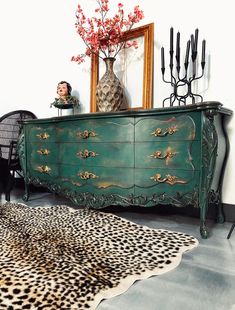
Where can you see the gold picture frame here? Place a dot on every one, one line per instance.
(147, 32)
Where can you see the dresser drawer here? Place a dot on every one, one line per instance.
(157, 181)
(44, 172)
(43, 152)
(97, 154)
(175, 155)
(97, 130)
(166, 127)
(45, 133)
(98, 178)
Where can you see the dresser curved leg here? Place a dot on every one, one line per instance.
(26, 194)
(220, 214)
(215, 202)
(203, 228)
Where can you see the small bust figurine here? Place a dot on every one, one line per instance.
(64, 90)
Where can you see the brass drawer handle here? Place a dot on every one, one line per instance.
(86, 154)
(43, 136)
(43, 152)
(87, 175)
(86, 134)
(44, 169)
(158, 155)
(169, 131)
(169, 179)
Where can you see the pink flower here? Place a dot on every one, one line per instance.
(103, 35)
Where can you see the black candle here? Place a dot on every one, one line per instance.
(171, 47)
(187, 52)
(196, 39)
(171, 39)
(193, 50)
(162, 58)
(203, 50)
(178, 45)
(192, 44)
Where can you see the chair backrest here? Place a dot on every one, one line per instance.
(10, 128)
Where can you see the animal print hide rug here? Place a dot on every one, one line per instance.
(61, 258)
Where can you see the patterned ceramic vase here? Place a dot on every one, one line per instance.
(109, 91)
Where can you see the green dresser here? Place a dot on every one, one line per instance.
(174, 156)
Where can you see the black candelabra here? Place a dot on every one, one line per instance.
(183, 80)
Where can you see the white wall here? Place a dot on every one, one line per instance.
(38, 39)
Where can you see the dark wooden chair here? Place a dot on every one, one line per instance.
(10, 129)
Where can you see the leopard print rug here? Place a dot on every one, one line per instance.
(61, 258)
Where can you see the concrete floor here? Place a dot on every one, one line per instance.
(204, 280)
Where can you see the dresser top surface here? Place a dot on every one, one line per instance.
(214, 105)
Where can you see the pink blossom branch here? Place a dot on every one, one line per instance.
(103, 35)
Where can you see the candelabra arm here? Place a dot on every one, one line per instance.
(196, 77)
(169, 82)
(192, 95)
(169, 98)
(172, 78)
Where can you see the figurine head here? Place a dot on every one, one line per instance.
(64, 89)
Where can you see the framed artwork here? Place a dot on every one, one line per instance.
(133, 67)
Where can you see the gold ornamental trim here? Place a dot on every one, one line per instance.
(86, 134)
(158, 155)
(44, 169)
(86, 153)
(169, 179)
(169, 131)
(43, 136)
(87, 175)
(43, 152)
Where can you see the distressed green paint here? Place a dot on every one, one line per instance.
(172, 156)
(184, 126)
(43, 152)
(159, 156)
(117, 154)
(104, 130)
